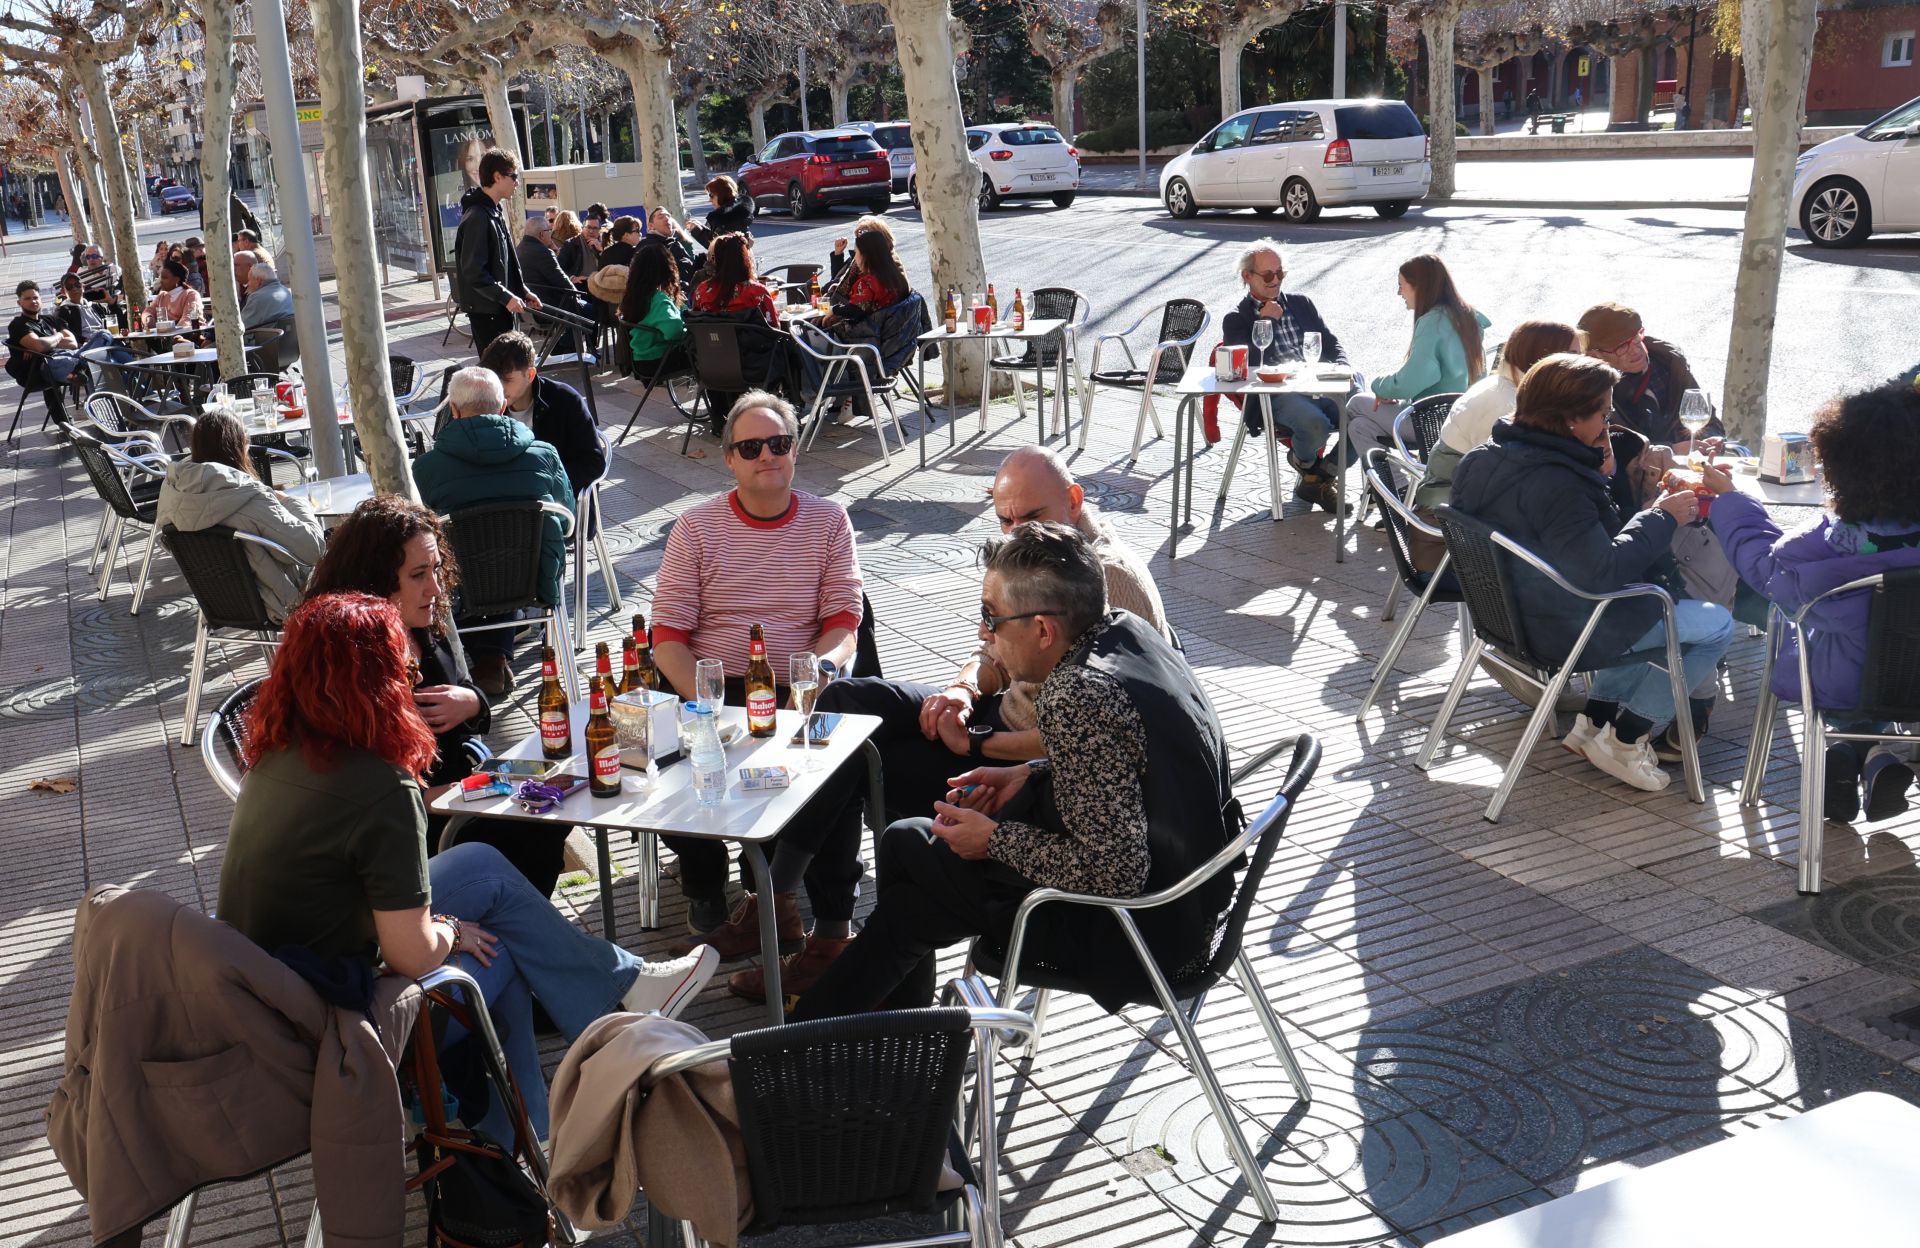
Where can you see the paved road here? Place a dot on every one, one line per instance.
(1845, 317)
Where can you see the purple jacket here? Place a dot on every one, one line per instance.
(1790, 570)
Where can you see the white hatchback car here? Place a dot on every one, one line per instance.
(1303, 156)
(1020, 160)
(1861, 183)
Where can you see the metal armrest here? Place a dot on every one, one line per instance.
(1798, 618)
(304, 467)
(1402, 423)
(559, 509)
(274, 547)
(152, 465)
(1407, 517)
(1547, 570)
(560, 315)
(1206, 319)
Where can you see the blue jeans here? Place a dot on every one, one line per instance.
(1706, 630)
(1309, 421)
(541, 955)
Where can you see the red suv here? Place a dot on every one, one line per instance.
(806, 170)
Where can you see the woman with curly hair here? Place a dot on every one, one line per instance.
(1868, 445)
(327, 851)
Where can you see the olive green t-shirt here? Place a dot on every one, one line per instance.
(312, 854)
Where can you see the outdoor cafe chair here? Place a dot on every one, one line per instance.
(590, 526)
(223, 742)
(1180, 991)
(498, 549)
(732, 355)
(558, 321)
(1416, 430)
(228, 608)
(682, 386)
(117, 417)
(1182, 321)
(114, 470)
(848, 371)
(1427, 587)
(1889, 691)
(1480, 560)
(848, 1119)
(1050, 303)
(795, 281)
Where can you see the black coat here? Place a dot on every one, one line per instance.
(458, 748)
(735, 218)
(545, 278)
(1545, 491)
(488, 269)
(1236, 327)
(561, 420)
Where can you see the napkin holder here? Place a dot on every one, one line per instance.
(1786, 459)
(663, 717)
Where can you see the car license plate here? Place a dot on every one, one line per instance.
(858, 171)
(1388, 171)
(1041, 177)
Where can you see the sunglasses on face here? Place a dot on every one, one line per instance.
(1271, 275)
(992, 622)
(749, 448)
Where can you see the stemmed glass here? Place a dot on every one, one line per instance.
(803, 677)
(1262, 338)
(1695, 412)
(710, 685)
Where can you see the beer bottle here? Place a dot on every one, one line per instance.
(760, 698)
(649, 677)
(815, 288)
(603, 666)
(556, 718)
(603, 750)
(950, 311)
(993, 303)
(629, 666)
(1019, 313)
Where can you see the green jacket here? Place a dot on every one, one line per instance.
(1436, 362)
(492, 459)
(659, 329)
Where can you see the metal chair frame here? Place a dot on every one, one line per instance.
(1399, 514)
(124, 415)
(122, 506)
(589, 517)
(555, 614)
(796, 282)
(1480, 648)
(267, 638)
(1061, 344)
(688, 407)
(1814, 731)
(219, 741)
(840, 358)
(738, 381)
(1149, 376)
(584, 360)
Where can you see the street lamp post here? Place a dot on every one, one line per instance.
(1140, 81)
(805, 121)
(1340, 49)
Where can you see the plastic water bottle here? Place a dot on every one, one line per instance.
(709, 759)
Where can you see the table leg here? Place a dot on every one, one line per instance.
(769, 933)
(1179, 441)
(604, 858)
(986, 377)
(947, 377)
(1340, 489)
(1040, 401)
(926, 412)
(649, 881)
(1273, 457)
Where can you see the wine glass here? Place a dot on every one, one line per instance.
(1695, 412)
(710, 685)
(1262, 338)
(803, 677)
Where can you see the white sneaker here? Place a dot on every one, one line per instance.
(1583, 730)
(1634, 763)
(668, 986)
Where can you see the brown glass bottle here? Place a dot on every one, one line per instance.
(649, 674)
(556, 717)
(760, 695)
(629, 666)
(603, 749)
(603, 665)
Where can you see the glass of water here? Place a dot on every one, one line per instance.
(710, 685)
(1695, 412)
(1262, 338)
(1310, 347)
(803, 677)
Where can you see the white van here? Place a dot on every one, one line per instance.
(1862, 183)
(1303, 156)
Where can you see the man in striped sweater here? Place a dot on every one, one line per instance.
(763, 553)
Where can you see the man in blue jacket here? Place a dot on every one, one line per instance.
(483, 456)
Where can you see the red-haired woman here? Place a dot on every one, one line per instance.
(328, 851)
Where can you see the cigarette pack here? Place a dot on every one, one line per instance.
(481, 787)
(765, 777)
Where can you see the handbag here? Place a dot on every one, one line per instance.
(478, 1194)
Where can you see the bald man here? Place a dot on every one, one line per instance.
(930, 733)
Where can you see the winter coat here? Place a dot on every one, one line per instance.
(735, 218)
(1791, 570)
(200, 496)
(1468, 423)
(488, 266)
(562, 421)
(1545, 492)
(493, 459)
(656, 333)
(545, 277)
(193, 1056)
(1236, 327)
(1436, 361)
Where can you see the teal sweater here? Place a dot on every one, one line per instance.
(492, 459)
(1436, 362)
(659, 329)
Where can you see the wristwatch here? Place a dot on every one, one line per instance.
(829, 671)
(977, 735)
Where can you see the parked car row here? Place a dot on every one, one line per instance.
(1302, 156)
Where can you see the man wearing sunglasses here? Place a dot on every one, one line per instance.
(763, 553)
(1133, 795)
(491, 291)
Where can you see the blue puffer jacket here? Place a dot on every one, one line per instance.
(492, 459)
(1545, 491)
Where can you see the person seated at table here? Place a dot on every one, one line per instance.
(216, 485)
(731, 214)
(242, 270)
(878, 282)
(482, 456)
(1868, 445)
(269, 305)
(99, 280)
(327, 851)
(763, 553)
(623, 235)
(1445, 356)
(196, 262)
(76, 315)
(664, 231)
(175, 300)
(651, 305)
(579, 247)
(732, 287)
(162, 252)
(1542, 479)
(1133, 795)
(840, 265)
(928, 732)
(394, 548)
(1308, 420)
(41, 352)
(554, 410)
(1653, 377)
(541, 270)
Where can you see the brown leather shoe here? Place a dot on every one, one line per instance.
(491, 673)
(739, 936)
(798, 972)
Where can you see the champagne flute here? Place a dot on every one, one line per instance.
(1695, 412)
(803, 677)
(710, 685)
(1262, 338)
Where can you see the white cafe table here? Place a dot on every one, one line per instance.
(1326, 380)
(667, 807)
(167, 359)
(1746, 479)
(1003, 331)
(1846, 1173)
(333, 497)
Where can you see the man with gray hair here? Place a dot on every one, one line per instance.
(269, 305)
(1133, 795)
(483, 456)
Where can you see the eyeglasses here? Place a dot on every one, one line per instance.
(993, 622)
(1271, 275)
(93, 255)
(749, 448)
(1638, 336)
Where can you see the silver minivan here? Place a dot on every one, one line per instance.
(1302, 156)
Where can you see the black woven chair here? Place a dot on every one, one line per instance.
(223, 743)
(226, 599)
(1169, 987)
(794, 281)
(117, 417)
(112, 469)
(498, 546)
(1182, 321)
(558, 324)
(1889, 691)
(732, 356)
(1416, 430)
(682, 386)
(1483, 562)
(1427, 587)
(847, 1119)
(1050, 303)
